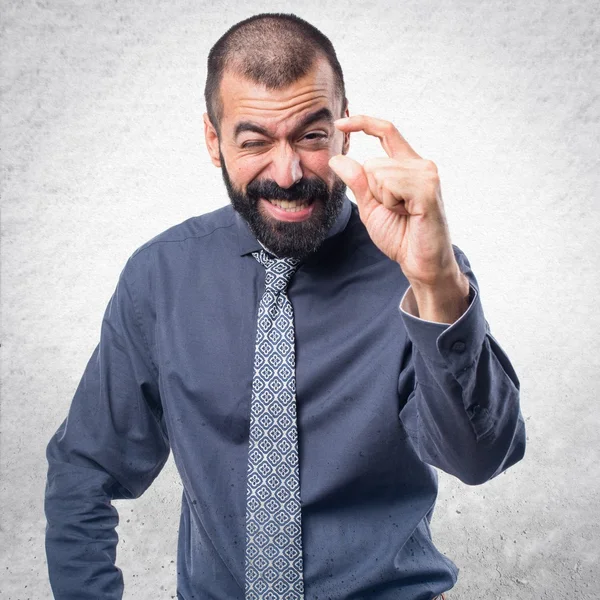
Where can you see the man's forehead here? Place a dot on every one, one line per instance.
(243, 99)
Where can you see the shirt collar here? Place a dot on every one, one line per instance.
(248, 243)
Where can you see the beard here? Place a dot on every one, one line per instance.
(285, 238)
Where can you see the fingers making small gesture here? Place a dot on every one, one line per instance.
(400, 202)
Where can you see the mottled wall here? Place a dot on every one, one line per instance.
(102, 148)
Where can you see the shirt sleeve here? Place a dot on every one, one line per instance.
(461, 392)
(111, 446)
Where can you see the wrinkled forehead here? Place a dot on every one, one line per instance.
(277, 110)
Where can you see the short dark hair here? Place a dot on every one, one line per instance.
(273, 49)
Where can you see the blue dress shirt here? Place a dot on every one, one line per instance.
(383, 397)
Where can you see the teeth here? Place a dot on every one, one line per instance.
(290, 206)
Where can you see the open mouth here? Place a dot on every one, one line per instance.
(291, 206)
(285, 210)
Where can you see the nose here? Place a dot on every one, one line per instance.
(285, 168)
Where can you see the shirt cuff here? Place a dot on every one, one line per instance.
(455, 346)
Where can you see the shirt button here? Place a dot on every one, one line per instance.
(458, 347)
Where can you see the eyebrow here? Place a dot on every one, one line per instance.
(323, 114)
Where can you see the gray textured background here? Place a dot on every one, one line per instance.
(102, 148)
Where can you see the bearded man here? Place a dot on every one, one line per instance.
(308, 360)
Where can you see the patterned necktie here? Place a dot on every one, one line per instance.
(273, 566)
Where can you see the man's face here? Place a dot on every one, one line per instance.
(273, 151)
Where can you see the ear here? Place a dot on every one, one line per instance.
(346, 145)
(212, 141)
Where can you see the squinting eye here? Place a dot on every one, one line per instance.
(252, 144)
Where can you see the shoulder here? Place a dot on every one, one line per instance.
(194, 228)
(185, 241)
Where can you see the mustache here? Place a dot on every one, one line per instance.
(304, 189)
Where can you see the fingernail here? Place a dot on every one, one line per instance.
(341, 121)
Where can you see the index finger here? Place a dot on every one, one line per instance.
(391, 139)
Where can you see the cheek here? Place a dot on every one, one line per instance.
(317, 163)
(246, 170)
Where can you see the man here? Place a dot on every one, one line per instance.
(308, 360)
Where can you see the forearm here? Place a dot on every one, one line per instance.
(462, 409)
(81, 539)
(111, 446)
(466, 421)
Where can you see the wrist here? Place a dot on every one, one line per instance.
(444, 302)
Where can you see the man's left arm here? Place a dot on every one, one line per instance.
(463, 412)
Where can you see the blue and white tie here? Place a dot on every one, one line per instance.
(273, 566)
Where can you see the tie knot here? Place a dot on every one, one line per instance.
(279, 270)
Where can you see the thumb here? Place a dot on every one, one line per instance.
(352, 174)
